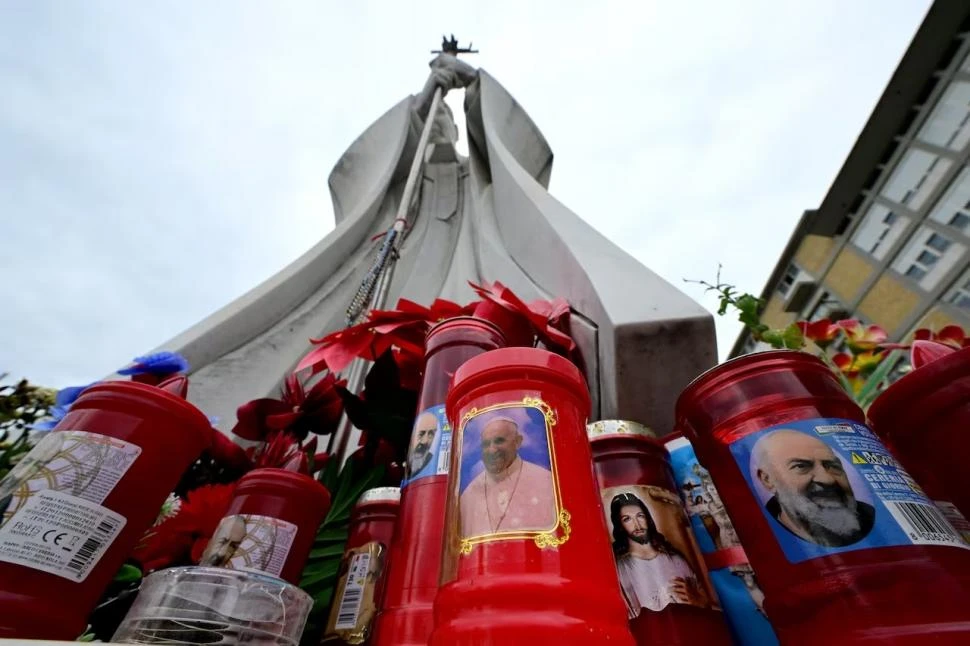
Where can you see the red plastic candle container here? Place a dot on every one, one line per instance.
(845, 544)
(668, 593)
(270, 525)
(76, 505)
(360, 588)
(412, 580)
(924, 418)
(527, 556)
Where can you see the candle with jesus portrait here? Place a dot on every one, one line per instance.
(665, 584)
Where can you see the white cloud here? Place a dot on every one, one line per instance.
(159, 159)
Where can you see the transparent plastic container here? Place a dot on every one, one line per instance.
(202, 605)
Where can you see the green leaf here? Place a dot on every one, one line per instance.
(793, 338)
(370, 480)
(334, 550)
(127, 574)
(319, 572)
(329, 534)
(872, 386)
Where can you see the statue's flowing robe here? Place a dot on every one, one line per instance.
(485, 217)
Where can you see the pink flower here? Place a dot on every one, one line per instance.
(822, 332)
(862, 338)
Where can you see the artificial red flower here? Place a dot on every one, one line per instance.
(549, 320)
(843, 361)
(409, 370)
(862, 338)
(317, 410)
(951, 335)
(300, 411)
(188, 532)
(822, 332)
(403, 328)
(227, 453)
(922, 352)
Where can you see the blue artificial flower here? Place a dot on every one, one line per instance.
(67, 396)
(160, 363)
(55, 415)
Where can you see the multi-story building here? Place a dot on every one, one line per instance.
(890, 242)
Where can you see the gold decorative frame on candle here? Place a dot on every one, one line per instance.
(551, 537)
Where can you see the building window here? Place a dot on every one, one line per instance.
(960, 221)
(927, 257)
(915, 272)
(953, 209)
(879, 230)
(937, 242)
(828, 307)
(791, 275)
(960, 294)
(948, 125)
(915, 177)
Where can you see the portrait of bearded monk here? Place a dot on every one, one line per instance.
(811, 494)
(420, 454)
(511, 493)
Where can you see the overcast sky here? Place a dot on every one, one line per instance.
(158, 159)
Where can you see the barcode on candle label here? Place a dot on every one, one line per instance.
(444, 454)
(924, 524)
(58, 533)
(353, 592)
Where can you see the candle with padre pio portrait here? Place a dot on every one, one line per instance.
(271, 524)
(845, 543)
(733, 577)
(73, 508)
(527, 558)
(415, 562)
(360, 583)
(668, 594)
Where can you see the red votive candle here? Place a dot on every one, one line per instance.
(271, 524)
(924, 418)
(74, 507)
(360, 588)
(412, 579)
(846, 545)
(527, 556)
(668, 593)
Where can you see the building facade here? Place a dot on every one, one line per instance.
(890, 242)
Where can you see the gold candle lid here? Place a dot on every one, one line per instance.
(613, 427)
(380, 494)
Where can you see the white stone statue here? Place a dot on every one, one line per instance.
(484, 217)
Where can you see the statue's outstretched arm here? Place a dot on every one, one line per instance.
(447, 72)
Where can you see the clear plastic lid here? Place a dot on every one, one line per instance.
(203, 605)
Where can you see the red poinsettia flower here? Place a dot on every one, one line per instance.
(282, 450)
(227, 453)
(300, 411)
(548, 320)
(862, 338)
(186, 534)
(403, 328)
(822, 332)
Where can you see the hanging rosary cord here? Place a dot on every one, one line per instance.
(511, 496)
(374, 288)
(366, 289)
